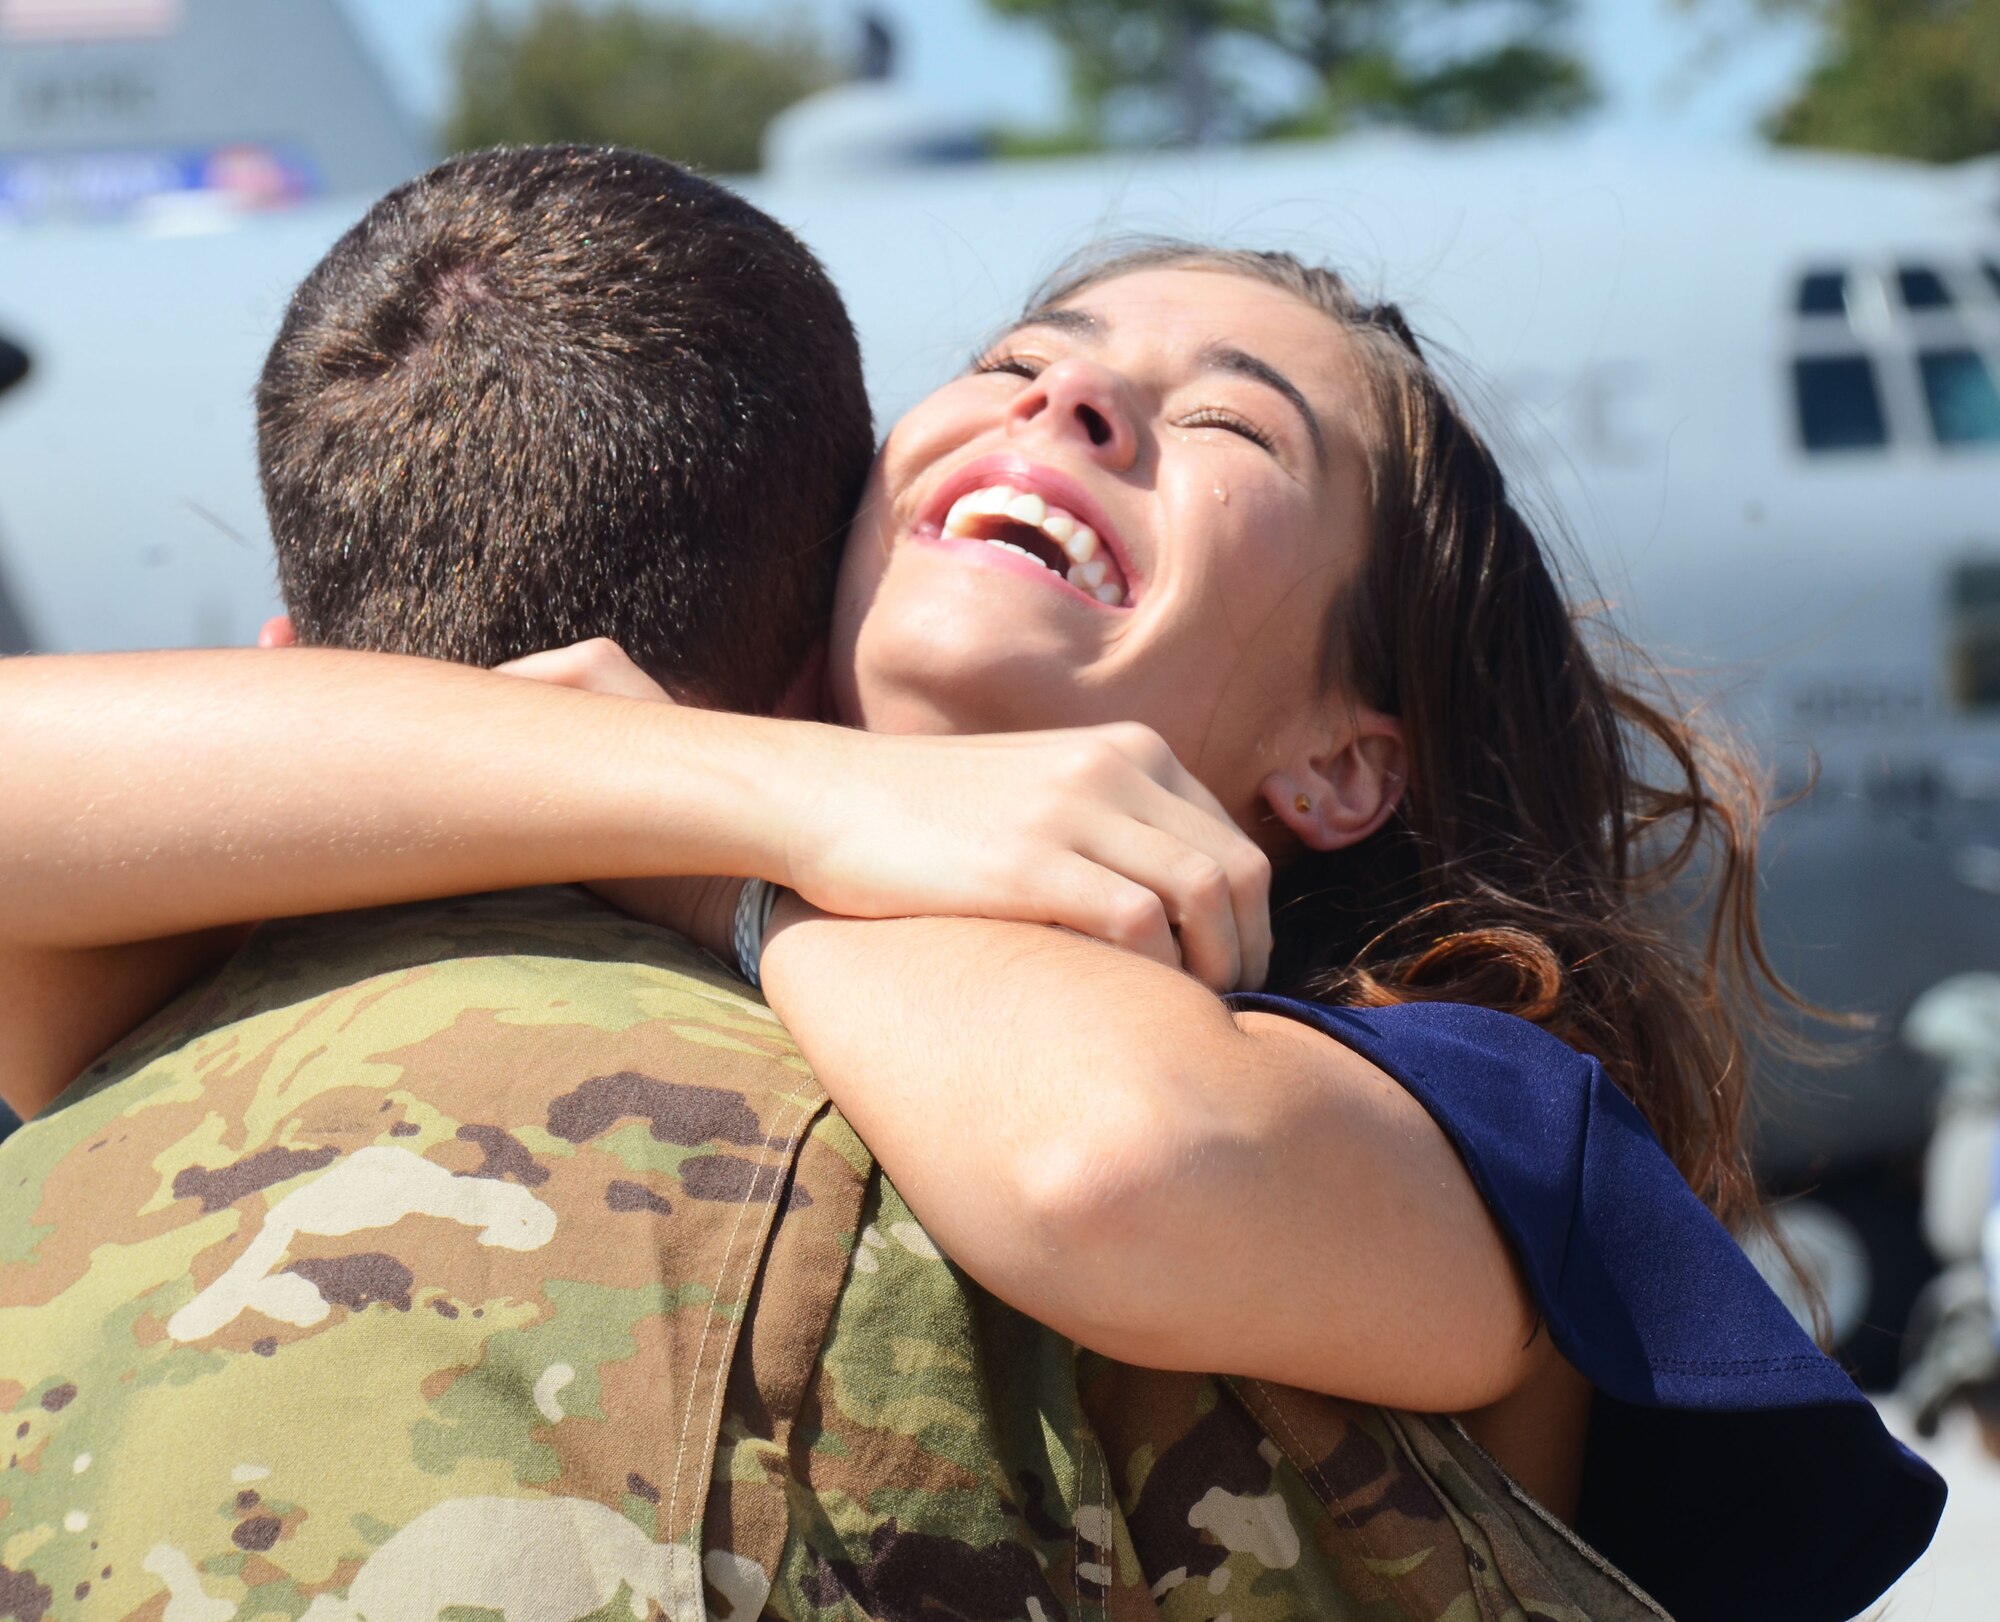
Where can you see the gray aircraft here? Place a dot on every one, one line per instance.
(1760, 388)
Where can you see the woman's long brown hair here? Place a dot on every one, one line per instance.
(1562, 821)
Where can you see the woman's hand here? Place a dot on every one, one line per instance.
(1071, 812)
(1098, 829)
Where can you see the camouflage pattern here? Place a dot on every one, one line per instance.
(956, 1459)
(501, 1258)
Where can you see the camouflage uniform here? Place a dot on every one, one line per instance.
(500, 1257)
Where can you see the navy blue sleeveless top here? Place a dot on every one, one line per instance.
(1733, 1470)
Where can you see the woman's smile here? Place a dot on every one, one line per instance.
(1040, 522)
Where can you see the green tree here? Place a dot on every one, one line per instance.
(1909, 78)
(1363, 61)
(688, 89)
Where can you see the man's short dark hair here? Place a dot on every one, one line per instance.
(550, 393)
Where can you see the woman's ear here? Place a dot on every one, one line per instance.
(1340, 795)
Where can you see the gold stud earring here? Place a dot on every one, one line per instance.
(1303, 804)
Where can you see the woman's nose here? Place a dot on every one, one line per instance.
(1078, 400)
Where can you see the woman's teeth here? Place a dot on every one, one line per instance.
(1089, 571)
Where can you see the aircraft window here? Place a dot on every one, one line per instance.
(1823, 292)
(1922, 288)
(1840, 406)
(1963, 399)
(13, 365)
(1975, 650)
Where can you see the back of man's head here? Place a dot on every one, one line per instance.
(544, 394)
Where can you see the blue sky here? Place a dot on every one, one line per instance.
(1671, 70)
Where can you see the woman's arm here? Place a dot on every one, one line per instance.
(1103, 1144)
(153, 795)
(68, 1006)
(174, 795)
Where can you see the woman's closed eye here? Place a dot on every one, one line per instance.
(1215, 417)
(1016, 365)
(1029, 367)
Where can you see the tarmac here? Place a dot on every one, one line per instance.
(1958, 1578)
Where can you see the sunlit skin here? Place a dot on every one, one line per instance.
(1239, 514)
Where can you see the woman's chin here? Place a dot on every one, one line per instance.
(965, 685)
(958, 658)
(909, 705)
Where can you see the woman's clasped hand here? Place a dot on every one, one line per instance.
(1099, 829)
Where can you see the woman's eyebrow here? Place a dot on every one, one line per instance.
(1063, 318)
(1224, 358)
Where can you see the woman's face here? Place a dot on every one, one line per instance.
(1137, 506)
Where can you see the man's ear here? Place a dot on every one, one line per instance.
(278, 633)
(1340, 795)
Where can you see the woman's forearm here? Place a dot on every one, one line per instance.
(998, 1073)
(150, 794)
(1103, 1144)
(67, 1007)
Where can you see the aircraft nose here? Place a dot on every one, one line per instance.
(13, 364)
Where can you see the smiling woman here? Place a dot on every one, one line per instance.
(1199, 588)
(1334, 616)
(1226, 503)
